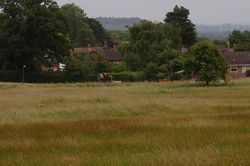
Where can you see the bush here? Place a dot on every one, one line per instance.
(151, 71)
(11, 76)
(176, 76)
(161, 76)
(117, 68)
(62, 77)
(129, 76)
(42, 77)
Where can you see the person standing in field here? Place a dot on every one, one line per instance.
(106, 77)
(100, 78)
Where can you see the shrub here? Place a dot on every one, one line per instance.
(151, 71)
(129, 76)
(117, 68)
(176, 76)
(161, 76)
(43, 77)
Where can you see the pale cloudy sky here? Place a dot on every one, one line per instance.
(202, 11)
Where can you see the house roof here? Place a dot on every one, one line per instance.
(110, 54)
(237, 58)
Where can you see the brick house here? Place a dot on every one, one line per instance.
(239, 62)
(110, 54)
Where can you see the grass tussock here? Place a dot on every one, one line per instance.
(127, 124)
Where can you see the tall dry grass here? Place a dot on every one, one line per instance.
(128, 124)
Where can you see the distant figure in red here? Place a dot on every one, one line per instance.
(105, 77)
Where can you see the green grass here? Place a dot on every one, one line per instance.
(128, 124)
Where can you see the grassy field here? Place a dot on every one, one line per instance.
(127, 124)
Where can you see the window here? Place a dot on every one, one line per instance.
(234, 69)
(244, 70)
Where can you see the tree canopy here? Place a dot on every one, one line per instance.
(152, 47)
(206, 63)
(240, 40)
(150, 42)
(100, 34)
(83, 30)
(179, 18)
(29, 30)
(80, 32)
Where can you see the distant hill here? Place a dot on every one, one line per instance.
(219, 31)
(117, 24)
(214, 32)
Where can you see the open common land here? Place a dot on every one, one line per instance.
(125, 124)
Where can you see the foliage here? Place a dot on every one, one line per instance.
(179, 18)
(151, 71)
(80, 65)
(124, 48)
(120, 36)
(150, 43)
(220, 44)
(29, 30)
(84, 64)
(101, 65)
(80, 32)
(206, 63)
(240, 40)
(101, 35)
(176, 76)
(161, 76)
(119, 67)
(128, 76)
(238, 37)
(45, 77)
(84, 30)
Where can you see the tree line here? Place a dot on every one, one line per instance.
(156, 49)
(31, 31)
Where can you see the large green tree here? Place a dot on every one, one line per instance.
(30, 30)
(151, 43)
(179, 18)
(84, 30)
(101, 35)
(206, 63)
(80, 32)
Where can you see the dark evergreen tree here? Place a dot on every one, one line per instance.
(101, 35)
(179, 18)
(81, 33)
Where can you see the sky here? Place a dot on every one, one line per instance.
(206, 12)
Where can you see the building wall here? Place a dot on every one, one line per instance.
(237, 72)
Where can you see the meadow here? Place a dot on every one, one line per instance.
(178, 123)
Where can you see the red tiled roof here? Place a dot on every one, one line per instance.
(110, 54)
(237, 58)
